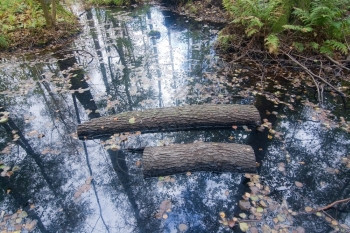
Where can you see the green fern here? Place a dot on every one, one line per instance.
(297, 28)
(314, 45)
(272, 43)
(335, 45)
(3, 42)
(299, 46)
(255, 15)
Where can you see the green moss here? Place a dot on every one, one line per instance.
(3, 42)
(26, 17)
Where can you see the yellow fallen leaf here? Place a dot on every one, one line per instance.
(132, 120)
(308, 209)
(222, 215)
(243, 226)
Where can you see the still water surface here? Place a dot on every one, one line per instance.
(139, 59)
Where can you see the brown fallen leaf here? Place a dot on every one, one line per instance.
(165, 206)
(83, 188)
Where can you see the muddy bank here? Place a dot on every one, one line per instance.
(207, 11)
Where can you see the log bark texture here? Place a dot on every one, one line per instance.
(171, 119)
(180, 158)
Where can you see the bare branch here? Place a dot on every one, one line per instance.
(333, 204)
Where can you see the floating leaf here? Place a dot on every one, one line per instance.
(83, 188)
(243, 226)
(319, 214)
(23, 214)
(3, 119)
(183, 227)
(115, 147)
(165, 206)
(281, 167)
(308, 209)
(263, 204)
(243, 215)
(231, 223)
(298, 184)
(19, 220)
(30, 226)
(222, 215)
(281, 218)
(259, 209)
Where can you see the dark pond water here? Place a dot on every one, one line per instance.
(150, 58)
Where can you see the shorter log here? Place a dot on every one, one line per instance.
(181, 158)
(171, 119)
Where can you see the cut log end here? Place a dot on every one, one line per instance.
(182, 158)
(171, 119)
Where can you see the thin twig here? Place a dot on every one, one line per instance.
(333, 204)
(314, 75)
(337, 63)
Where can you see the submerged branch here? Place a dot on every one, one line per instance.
(333, 204)
(307, 70)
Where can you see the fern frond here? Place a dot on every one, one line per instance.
(336, 45)
(297, 28)
(251, 31)
(272, 43)
(298, 46)
(301, 14)
(325, 49)
(314, 45)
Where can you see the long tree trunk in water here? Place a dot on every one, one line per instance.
(216, 157)
(171, 119)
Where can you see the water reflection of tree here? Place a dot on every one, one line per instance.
(118, 158)
(23, 185)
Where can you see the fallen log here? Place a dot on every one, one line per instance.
(171, 119)
(180, 158)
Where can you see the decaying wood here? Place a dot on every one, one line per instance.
(171, 119)
(180, 158)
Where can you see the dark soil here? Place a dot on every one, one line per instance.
(30, 40)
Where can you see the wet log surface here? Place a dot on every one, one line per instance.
(171, 119)
(215, 157)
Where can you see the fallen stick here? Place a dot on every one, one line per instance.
(314, 75)
(333, 204)
(171, 119)
(181, 158)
